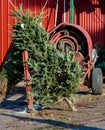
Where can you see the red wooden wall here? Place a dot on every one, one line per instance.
(89, 14)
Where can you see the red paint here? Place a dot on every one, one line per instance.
(1, 32)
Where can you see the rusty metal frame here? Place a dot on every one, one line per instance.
(56, 36)
(29, 97)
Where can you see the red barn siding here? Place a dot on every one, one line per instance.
(6, 21)
(90, 15)
(3, 29)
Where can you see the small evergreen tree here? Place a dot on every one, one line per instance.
(54, 73)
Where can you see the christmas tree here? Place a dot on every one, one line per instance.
(54, 73)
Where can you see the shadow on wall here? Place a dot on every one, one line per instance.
(50, 7)
(98, 37)
(89, 6)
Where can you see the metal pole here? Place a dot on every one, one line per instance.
(64, 10)
(56, 13)
(27, 81)
(71, 11)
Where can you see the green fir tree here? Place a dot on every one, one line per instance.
(54, 73)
